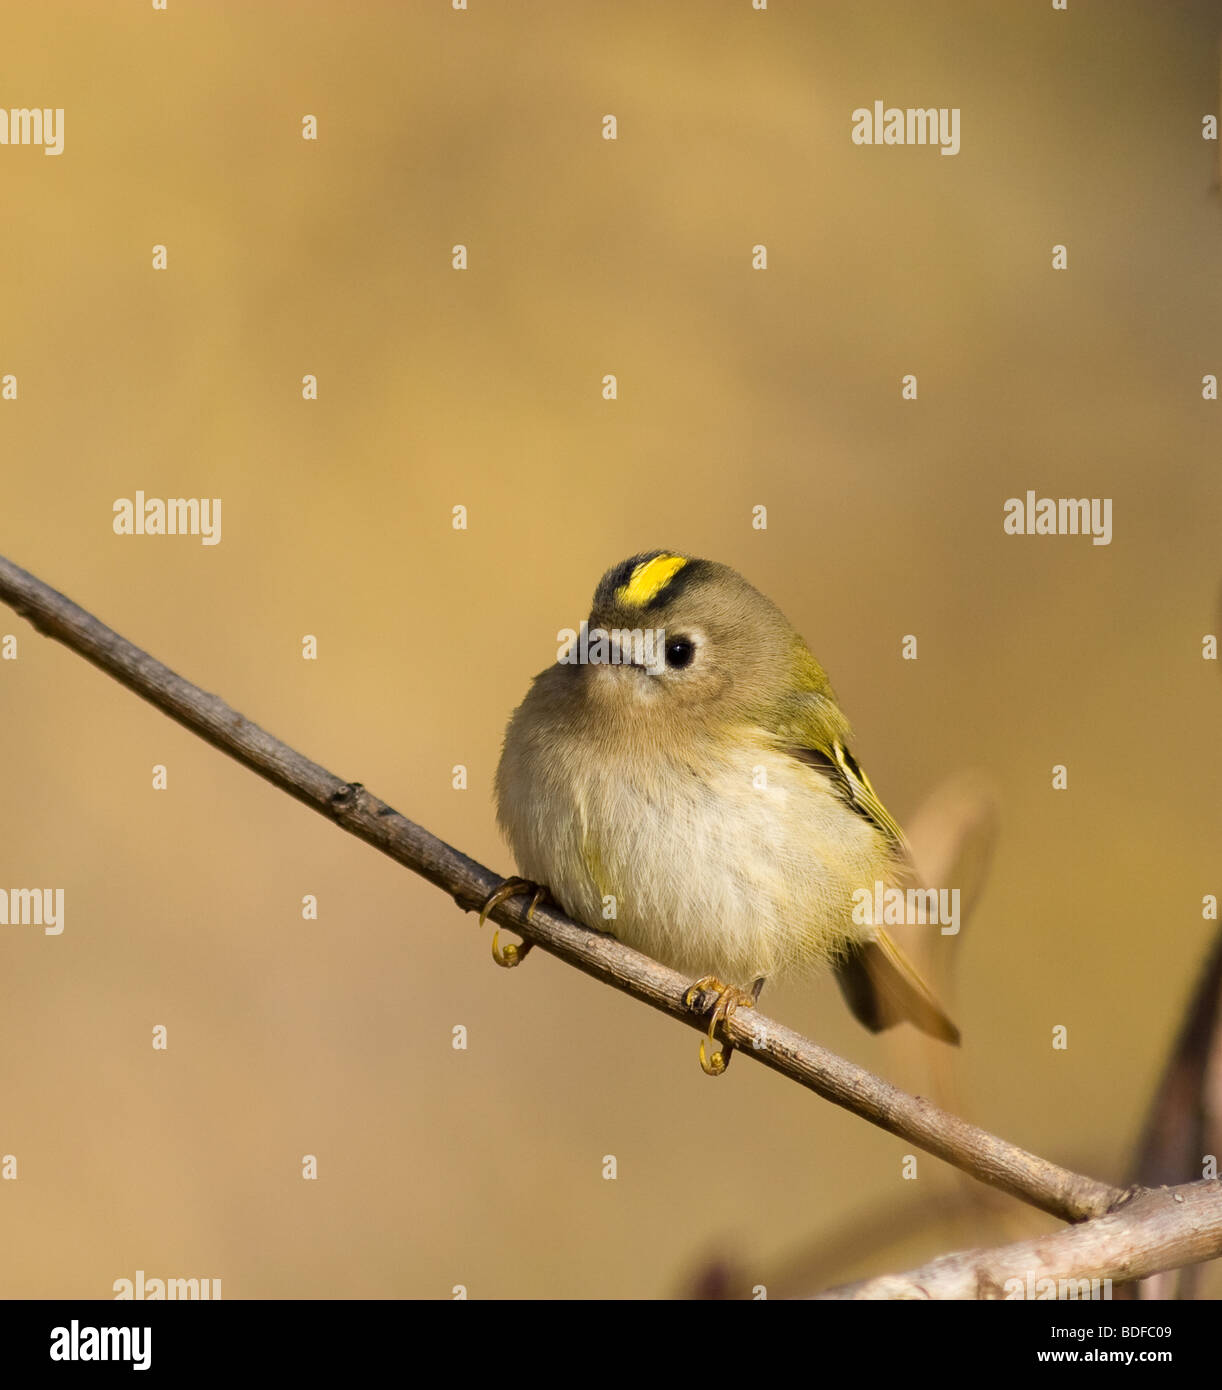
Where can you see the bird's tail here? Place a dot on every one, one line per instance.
(882, 987)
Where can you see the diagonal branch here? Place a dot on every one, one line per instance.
(1070, 1196)
(1159, 1228)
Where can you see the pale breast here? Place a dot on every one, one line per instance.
(739, 864)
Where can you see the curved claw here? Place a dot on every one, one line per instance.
(717, 1063)
(513, 954)
(714, 1063)
(516, 952)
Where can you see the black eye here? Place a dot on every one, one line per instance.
(679, 651)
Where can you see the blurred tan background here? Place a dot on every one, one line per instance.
(484, 1167)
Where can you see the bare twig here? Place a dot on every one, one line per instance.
(1160, 1228)
(1067, 1195)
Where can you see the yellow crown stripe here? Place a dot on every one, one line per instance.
(649, 579)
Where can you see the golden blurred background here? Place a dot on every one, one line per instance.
(482, 388)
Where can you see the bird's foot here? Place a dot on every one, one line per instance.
(514, 953)
(728, 998)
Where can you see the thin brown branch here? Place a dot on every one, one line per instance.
(1157, 1229)
(1067, 1195)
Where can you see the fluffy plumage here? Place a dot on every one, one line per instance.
(712, 800)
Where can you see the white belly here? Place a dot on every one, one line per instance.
(732, 873)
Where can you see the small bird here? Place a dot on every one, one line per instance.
(689, 765)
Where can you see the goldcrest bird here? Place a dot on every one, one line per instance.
(708, 794)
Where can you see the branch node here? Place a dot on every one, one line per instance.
(346, 797)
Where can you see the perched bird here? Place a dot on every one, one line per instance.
(704, 787)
